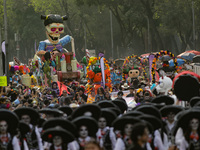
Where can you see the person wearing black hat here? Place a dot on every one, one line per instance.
(87, 128)
(124, 125)
(51, 113)
(187, 136)
(58, 137)
(131, 94)
(31, 117)
(8, 125)
(169, 113)
(66, 125)
(23, 130)
(139, 136)
(105, 135)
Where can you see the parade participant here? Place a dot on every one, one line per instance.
(131, 94)
(125, 86)
(55, 88)
(90, 110)
(187, 136)
(31, 117)
(107, 96)
(100, 94)
(122, 105)
(105, 135)
(23, 130)
(87, 128)
(63, 97)
(139, 136)
(169, 113)
(124, 125)
(58, 137)
(81, 93)
(8, 126)
(120, 96)
(65, 124)
(67, 111)
(51, 113)
(91, 97)
(117, 77)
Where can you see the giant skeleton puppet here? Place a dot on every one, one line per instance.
(54, 27)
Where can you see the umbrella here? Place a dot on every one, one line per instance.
(196, 59)
(188, 55)
(179, 62)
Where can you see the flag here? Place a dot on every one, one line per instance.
(62, 87)
(3, 48)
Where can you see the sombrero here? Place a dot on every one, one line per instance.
(48, 135)
(89, 122)
(32, 113)
(83, 109)
(167, 109)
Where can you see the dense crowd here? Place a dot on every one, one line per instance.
(47, 118)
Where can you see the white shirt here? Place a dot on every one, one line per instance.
(170, 125)
(159, 143)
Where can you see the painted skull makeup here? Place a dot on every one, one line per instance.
(57, 140)
(194, 124)
(26, 119)
(3, 127)
(128, 129)
(102, 122)
(83, 132)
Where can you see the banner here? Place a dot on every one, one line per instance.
(151, 57)
(3, 81)
(3, 47)
(62, 87)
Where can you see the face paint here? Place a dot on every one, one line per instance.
(26, 119)
(170, 117)
(194, 124)
(57, 140)
(3, 127)
(83, 132)
(128, 129)
(102, 123)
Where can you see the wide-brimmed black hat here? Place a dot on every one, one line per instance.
(109, 115)
(186, 87)
(154, 121)
(66, 109)
(149, 109)
(186, 116)
(11, 119)
(116, 110)
(194, 100)
(158, 106)
(121, 104)
(106, 104)
(167, 109)
(34, 115)
(133, 113)
(120, 123)
(163, 99)
(40, 122)
(89, 122)
(92, 108)
(55, 112)
(65, 124)
(23, 128)
(48, 135)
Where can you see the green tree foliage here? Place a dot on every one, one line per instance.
(170, 25)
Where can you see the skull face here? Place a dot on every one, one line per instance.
(53, 32)
(194, 124)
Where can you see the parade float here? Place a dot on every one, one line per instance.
(162, 66)
(53, 62)
(133, 68)
(98, 73)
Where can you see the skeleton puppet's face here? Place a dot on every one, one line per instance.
(53, 32)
